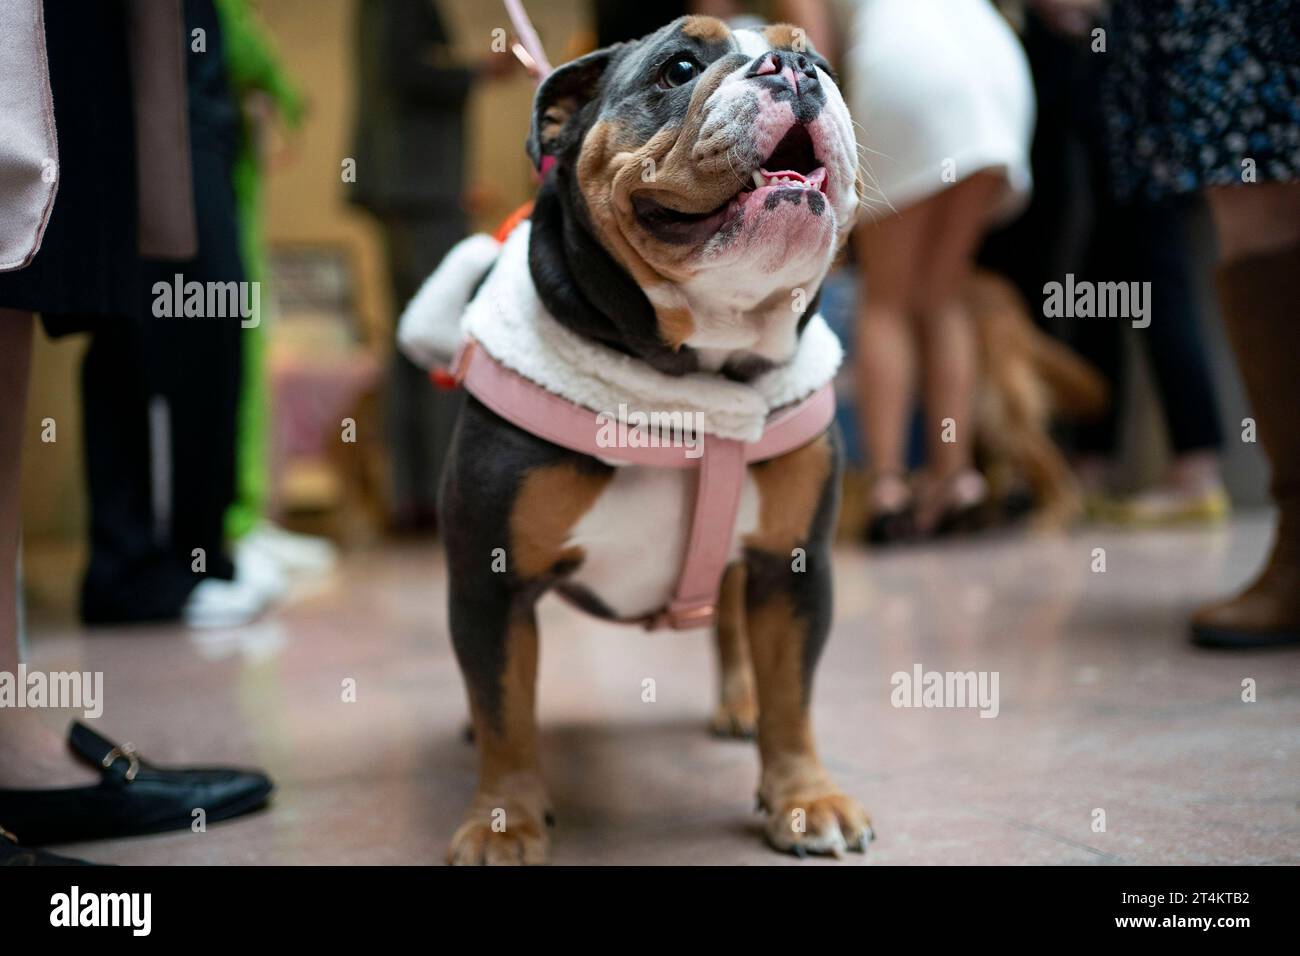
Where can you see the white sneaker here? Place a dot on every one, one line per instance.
(295, 553)
(218, 603)
(258, 570)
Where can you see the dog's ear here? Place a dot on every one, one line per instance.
(561, 96)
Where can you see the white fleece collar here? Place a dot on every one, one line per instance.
(509, 320)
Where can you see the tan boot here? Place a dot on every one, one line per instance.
(1261, 308)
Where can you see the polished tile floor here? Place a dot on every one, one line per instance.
(1102, 706)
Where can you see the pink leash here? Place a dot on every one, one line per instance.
(529, 52)
(721, 467)
(540, 66)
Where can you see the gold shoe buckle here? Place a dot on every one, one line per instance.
(132, 758)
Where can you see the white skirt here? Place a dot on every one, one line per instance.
(939, 89)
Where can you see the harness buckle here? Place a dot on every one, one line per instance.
(681, 618)
(450, 378)
(697, 616)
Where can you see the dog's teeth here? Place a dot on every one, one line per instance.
(759, 181)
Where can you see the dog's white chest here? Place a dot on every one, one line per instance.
(634, 536)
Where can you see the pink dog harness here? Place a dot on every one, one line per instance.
(721, 467)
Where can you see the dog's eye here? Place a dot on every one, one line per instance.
(679, 72)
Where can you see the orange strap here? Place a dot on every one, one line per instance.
(512, 220)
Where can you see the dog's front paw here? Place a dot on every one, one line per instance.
(501, 831)
(821, 820)
(736, 716)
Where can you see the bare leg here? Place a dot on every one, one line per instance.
(888, 253)
(949, 356)
(15, 367)
(1255, 218)
(31, 754)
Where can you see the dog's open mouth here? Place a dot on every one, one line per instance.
(792, 168)
(793, 164)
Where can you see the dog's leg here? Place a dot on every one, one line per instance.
(737, 711)
(806, 812)
(496, 574)
(1058, 502)
(788, 616)
(496, 644)
(508, 502)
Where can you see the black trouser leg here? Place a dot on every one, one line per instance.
(1173, 342)
(195, 366)
(131, 575)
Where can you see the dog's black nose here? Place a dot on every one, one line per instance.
(796, 69)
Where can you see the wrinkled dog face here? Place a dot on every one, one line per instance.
(718, 167)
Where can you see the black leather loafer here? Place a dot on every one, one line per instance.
(11, 854)
(132, 798)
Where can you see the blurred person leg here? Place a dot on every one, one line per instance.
(30, 752)
(15, 369)
(1150, 242)
(913, 318)
(195, 368)
(946, 135)
(1109, 247)
(889, 253)
(1258, 227)
(84, 275)
(953, 490)
(132, 573)
(160, 450)
(1226, 124)
(1192, 488)
(1096, 442)
(55, 789)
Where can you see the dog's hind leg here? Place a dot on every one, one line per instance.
(788, 613)
(737, 712)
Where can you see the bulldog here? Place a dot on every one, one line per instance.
(698, 184)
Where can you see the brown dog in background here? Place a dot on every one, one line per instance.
(1028, 380)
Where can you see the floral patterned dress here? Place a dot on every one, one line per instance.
(1202, 93)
